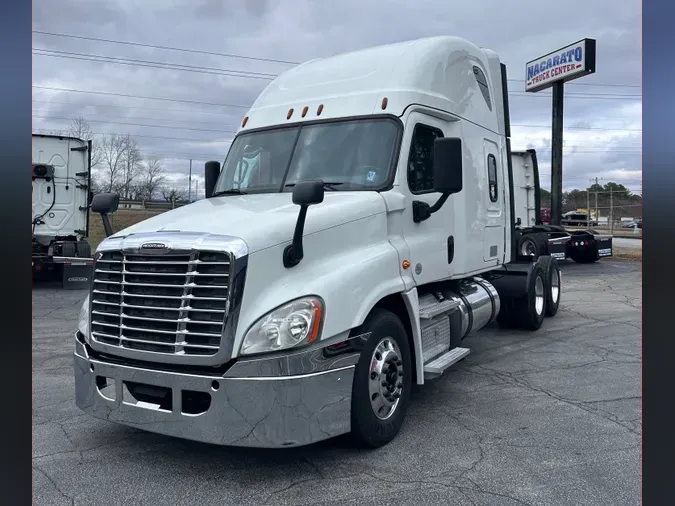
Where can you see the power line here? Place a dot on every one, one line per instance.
(205, 123)
(271, 60)
(144, 97)
(185, 139)
(140, 124)
(169, 48)
(153, 64)
(134, 107)
(259, 75)
(233, 131)
(166, 99)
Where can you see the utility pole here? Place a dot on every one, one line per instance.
(611, 211)
(597, 215)
(588, 208)
(190, 183)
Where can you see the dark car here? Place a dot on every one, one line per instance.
(577, 219)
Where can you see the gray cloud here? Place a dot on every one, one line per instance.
(304, 29)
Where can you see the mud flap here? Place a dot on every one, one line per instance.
(604, 244)
(557, 247)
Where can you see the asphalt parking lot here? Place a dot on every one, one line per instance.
(544, 418)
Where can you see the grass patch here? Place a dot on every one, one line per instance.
(627, 253)
(120, 220)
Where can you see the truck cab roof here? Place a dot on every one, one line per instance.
(446, 73)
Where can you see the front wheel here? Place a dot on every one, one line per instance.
(382, 381)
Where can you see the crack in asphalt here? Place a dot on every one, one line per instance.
(53, 482)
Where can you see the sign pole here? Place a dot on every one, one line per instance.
(557, 152)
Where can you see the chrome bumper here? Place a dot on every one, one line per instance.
(291, 400)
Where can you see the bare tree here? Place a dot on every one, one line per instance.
(81, 129)
(151, 178)
(174, 195)
(113, 153)
(131, 166)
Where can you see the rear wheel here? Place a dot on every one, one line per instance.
(83, 249)
(532, 245)
(531, 307)
(382, 381)
(68, 249)
(552, 286)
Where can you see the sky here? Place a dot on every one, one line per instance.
(226, 52)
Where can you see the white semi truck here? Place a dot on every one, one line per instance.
(61, 178)
(363, 225)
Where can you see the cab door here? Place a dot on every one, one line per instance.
(431, 242)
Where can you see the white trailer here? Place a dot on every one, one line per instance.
(361, 229)
(61, 175)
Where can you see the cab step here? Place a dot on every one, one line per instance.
(438, 365)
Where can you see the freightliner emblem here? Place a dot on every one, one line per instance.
(153, 245)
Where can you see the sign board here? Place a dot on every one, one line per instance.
(565, 64)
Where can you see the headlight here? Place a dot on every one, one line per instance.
(298, 322)
(83, 321)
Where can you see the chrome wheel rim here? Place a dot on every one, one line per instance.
(539, 295)
(555, 286)
(385, 382)
(527, 249)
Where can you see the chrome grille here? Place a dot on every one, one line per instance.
(171, 303)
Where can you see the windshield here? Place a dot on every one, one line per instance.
(353, 155)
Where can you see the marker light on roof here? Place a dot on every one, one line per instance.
(319, 109)
(304, 111)
(290, 113)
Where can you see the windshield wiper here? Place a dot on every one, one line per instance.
(231, 191)
(326, 184)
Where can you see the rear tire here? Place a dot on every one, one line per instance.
(532, 245)
(553, 284)
(68, 249)
(531, 307)
(378, 410)
(83, 249)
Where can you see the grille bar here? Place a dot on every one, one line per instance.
(173, 303)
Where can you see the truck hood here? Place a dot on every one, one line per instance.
(261, 220)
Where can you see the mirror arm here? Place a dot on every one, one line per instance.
(293, 253)
(422, 211)
(106, 224)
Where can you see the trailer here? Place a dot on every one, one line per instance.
(536, 238)
(365, 225)
(61, 179)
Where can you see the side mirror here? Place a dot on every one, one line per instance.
(305, 194)
(211, 173)
(447, 176)
(448, 165)
(104, 204)
(308, 193)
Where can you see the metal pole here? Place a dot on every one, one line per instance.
(611, 211)
(597, 216)
(588, 208)
(190, 183)
(557, 152)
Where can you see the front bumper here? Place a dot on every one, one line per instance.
(289, 400)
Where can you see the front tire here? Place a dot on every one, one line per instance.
(382, 381)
